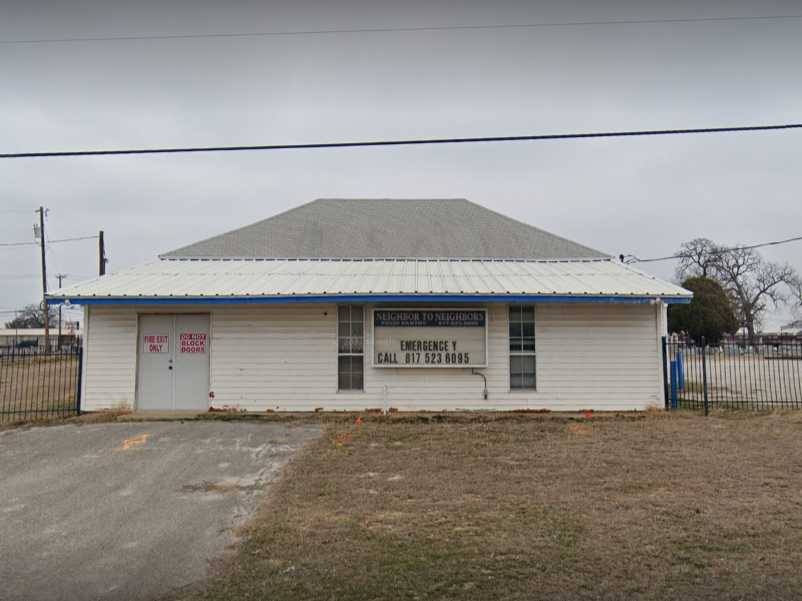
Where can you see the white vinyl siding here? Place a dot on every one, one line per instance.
(598, 356)
(110, 359)
(284, 358)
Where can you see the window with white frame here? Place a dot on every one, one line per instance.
(350, 347)
(522, 347)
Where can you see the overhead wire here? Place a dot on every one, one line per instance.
(75, 239)
(401, 142)
(412, 29)
(715, 251)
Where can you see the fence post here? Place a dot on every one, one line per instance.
(704, 374)
(674, 383)
(665, 373)
(78, 380)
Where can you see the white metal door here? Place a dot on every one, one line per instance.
(191, 373)
(155, 377)
(173, 362)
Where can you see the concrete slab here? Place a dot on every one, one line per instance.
(129, 510)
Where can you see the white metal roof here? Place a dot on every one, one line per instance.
(372, 277)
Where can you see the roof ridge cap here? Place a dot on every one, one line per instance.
(213, 259)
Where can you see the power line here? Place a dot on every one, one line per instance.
(73, 239)
(49, 241)
(19, 244)
(314, 32)
(24, 276)
(717, 251)
(402, 142)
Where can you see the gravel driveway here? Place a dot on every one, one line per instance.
(128, 510)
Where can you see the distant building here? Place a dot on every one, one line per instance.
(34, 338)
(345, 304)
(794, 328)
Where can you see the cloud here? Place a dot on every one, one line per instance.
(639, 196)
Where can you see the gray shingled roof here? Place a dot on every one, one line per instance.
(382, 228)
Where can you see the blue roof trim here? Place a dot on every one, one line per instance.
(371, 298)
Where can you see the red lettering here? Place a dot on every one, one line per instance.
(192, 342)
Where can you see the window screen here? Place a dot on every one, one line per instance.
(522, 347)
(350, 347)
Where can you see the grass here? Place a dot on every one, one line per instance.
(530, 507)
(34, 387)
(75, 420)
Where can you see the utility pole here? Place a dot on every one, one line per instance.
(60, 277)
(101, 254)
(46, 311)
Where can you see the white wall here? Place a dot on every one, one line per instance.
(109, 377)
(284, 357)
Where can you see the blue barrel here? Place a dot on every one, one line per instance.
(674, 384)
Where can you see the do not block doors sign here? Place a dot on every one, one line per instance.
(192, 342)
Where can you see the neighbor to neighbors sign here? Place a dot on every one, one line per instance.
(429, 337)
(155, 343)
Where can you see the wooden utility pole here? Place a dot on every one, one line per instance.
(60, 277)
(45, 309)
(101, 254)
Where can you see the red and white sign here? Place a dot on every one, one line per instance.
(192, 342)
(155, 343)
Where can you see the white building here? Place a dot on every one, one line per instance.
(376, 304)
(20, 339)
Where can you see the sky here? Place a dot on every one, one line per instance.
(633, 196)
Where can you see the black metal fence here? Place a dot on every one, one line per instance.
(39, 384)
(733, 375)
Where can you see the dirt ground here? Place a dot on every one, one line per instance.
(651, 506)
(37, 387)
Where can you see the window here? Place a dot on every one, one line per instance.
(522, 348)
(350, 347)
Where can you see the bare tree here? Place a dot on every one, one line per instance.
(754, 283)
(33, 316)
(697, 259)
(796, 290)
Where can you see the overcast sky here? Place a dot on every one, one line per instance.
(640, 196)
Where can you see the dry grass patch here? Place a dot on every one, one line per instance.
(100, 417)
(539, 508)
(37, 387)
